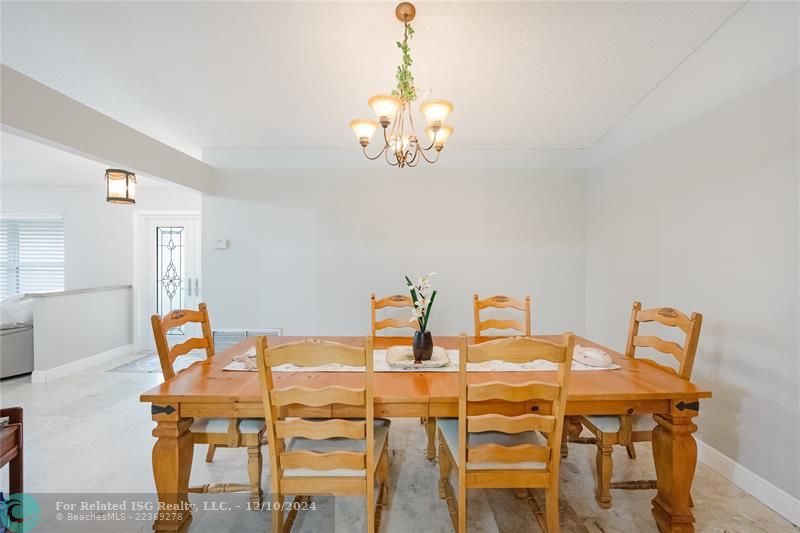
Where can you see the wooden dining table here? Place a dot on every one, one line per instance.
(206, 390)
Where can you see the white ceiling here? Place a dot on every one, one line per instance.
(549, 75)
(32, 164)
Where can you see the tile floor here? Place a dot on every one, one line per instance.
(88, 432)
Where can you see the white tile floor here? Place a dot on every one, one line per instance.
(88, 432)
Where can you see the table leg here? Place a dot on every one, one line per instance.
(172, 463)
(675, 455)
(430, 428)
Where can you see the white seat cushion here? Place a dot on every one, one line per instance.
(220, 425)
(611, 423)
(449, 429)
(334, 445)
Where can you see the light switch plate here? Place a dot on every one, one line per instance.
(221, 244)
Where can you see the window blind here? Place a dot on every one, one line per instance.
(31, 254)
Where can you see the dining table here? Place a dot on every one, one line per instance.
(205, 389)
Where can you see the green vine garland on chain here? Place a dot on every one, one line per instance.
(405, 80)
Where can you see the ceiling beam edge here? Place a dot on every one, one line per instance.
(36, 111)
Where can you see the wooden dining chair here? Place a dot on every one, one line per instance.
(492, 450)
(401, 301)
(626, 430)
(223, 432)
(396, 300)
(340, 457)
(500, 302)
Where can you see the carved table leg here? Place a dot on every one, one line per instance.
(430, 428)
(172, 463)
(675, 455)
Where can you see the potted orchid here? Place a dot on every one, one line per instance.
(423, 299)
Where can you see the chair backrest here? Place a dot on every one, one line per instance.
(175, 319)
(500, 301)
(473, 395)
(315, 352)
(396, 300)
(666, 316)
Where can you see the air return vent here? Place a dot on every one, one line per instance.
(225, 338)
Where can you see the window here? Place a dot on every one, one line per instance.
(31, 254)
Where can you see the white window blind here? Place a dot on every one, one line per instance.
(31, 254)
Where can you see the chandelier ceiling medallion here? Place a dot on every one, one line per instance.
(401, 145)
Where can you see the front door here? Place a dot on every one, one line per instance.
(173, 278)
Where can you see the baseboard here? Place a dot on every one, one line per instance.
(43, 376)
(773, 497)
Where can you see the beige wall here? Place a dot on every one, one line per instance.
(703, 216)
(308, 247)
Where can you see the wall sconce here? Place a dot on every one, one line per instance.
(120, 186)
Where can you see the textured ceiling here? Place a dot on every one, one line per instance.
(547, 75)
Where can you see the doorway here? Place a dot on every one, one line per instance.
(167, 272)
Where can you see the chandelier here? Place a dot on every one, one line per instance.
(401, 145)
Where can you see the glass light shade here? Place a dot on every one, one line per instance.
(120, 186)
(398, 146)
(441, 136)
(436, 111)
(385, 106)
(364, 129)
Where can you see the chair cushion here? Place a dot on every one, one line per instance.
(337, 444)
(220, 425)
(611, 423)
(449, 429)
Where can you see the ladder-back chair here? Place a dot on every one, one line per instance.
(492, 450)
(224, 432)
(342, 457)
(502, 302)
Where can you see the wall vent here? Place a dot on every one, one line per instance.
(225, 338)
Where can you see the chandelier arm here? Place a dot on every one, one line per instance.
(431, 161)
(376, 156)
(415, 159)
(435, 134)
(386, 154)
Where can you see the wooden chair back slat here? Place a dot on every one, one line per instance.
(318, 397)
(510, 424)
(323, 461)
(396, 301)
(523, 392)
(321, 429)
(279, 428)
(185, 347)
(502, 302)
(497, 453)
(667, 347)
(516, 350)
(315, 352)
(177, 318)
(666, 316)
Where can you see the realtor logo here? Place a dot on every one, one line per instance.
(19, 513)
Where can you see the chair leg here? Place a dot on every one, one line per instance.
(631, 450)
(461, 502)
(210, 453)
(277, 513)
(551, 508)
(430, 427)
(605, 467)
(254, 468)
(444, 468)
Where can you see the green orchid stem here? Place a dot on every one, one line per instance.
(428, 311)
(414, 299)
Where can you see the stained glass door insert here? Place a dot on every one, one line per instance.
(170, 273)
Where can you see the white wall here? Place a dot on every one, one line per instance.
(702, 215)
(308, 247)
(98, 247)
(60, 328)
